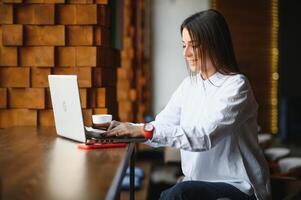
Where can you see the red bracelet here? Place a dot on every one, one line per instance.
(148, 129)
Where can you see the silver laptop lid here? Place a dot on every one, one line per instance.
(66, 107)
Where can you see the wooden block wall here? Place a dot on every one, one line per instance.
(12, 35)
(133, 89)
(143, 68)
(126, 71)
(42, 37)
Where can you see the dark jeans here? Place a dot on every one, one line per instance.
(196, 190)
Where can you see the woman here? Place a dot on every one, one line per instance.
(211, 118)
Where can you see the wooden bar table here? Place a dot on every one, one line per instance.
(37, 164)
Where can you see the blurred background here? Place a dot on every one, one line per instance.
(128, 58)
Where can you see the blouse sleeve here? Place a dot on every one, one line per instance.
(171, 114)
(225, 113)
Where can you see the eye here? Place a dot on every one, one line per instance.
(183, 46)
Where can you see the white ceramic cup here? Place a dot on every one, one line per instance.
(101, 118)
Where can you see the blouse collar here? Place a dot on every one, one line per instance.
(215, 79)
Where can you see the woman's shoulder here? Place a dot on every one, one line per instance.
(239, 79)
(237, 82)
(237, 76)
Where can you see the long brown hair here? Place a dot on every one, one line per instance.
(211, 37)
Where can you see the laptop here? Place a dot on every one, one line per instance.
(68, 115)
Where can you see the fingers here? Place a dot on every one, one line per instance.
(119, 129)
(117, 132)
(113, 124)
(124, 129)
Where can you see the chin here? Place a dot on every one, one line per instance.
(192, 68)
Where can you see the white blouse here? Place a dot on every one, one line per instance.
(214, 123)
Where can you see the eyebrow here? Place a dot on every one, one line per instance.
(188, 41)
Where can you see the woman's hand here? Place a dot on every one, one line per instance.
(113, 124)
(124, 129)
(106, 126)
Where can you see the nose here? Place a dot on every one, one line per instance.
(187, 51)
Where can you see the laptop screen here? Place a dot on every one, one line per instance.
(67, 107)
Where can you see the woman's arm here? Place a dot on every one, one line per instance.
(233, 106)
(170, 115)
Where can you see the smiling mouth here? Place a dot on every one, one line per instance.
(191, 61)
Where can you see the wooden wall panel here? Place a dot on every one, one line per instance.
(39, 77)
(33, 98)
(42, 37)
(18, 117)
(43, 1)
(8, 56)
(12, 1)
(80, 1)
(83, 97)
(77, 56)
(133, 92)
(86, 14)
(45, 118)
(12, 35)
(3, 97)
(14, 77)
(77, 14)
(100, 111)
(102, 1)
(34, 14)
(48, 103)
(101, 36)
(84, 74)
(65, 56)
(6, 13)
(87, 115)
(66, 14)
(37, 56)
(79, 35)
(86, 56)
(45, 35)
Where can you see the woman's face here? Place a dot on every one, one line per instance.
(188, 52)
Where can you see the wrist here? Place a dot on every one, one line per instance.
(148, 130)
